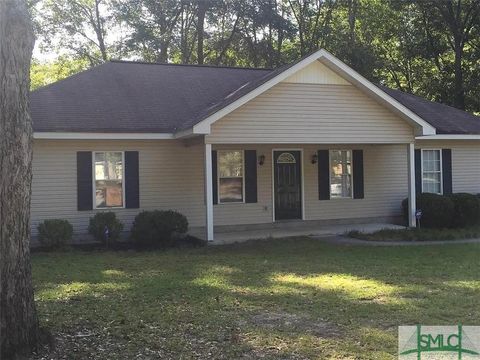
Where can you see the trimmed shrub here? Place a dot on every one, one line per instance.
(466, 209)
(54, 233)
(102, 221)
(158, 228)
(437, 210)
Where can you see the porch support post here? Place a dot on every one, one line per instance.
(412, 206)
(209, 191)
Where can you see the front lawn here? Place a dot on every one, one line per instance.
(281, 299)
(419, 234)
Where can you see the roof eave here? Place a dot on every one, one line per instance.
(449, 137)
(100, 136)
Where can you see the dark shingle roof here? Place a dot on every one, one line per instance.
(139, 97)
(134, 97)
(446, 119)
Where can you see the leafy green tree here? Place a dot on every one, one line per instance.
(76, 27)
(426, 47)
(454, 21)
(152, 25)
(44, 73)
(313, 19)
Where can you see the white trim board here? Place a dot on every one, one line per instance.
(449, 137)
(422, 127)
(208, 192)
(101, 136)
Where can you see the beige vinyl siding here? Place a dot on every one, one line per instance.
(385, 185)
(316, 73)
(385, 172)
(465, 162)
(171, 177)
(311, 113)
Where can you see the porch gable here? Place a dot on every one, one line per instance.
(307, 71)
(312, 113)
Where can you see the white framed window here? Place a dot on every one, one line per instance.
(231, 180)
(108, 179)
(340, 174)
(432, 171)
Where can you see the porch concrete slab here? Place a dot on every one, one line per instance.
(230, 237)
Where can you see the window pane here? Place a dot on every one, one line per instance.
(230, 163)
(427, 165)
(230, 175)
(340, 173)
(431, 160)
(431, 177)
(231, 189)
(336, 186)
(108, 179)
(432, 182)
(109, 193)
(108, 166)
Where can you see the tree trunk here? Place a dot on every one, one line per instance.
(18, 319)
(163, 55)
(202, 9)
(459, 97)
(99, 31)
(460, 19)
(352, 22)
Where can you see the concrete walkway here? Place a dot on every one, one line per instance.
(343, 240)
(222, 238)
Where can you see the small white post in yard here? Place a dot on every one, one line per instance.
(412, 220)
(209, 191)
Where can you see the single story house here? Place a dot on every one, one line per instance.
(225, 146)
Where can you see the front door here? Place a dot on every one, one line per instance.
(287, 184)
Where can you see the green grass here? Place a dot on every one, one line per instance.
(281, 299)
(422, 234)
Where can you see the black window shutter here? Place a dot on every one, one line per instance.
(214, 177)
(358, 174)
(250, 176)
(132, 182)
(447, 171)
(418, 171)
(323, 175)
(84, 180)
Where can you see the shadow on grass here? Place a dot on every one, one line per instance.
(208, 300)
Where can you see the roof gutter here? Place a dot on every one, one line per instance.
(449, 137)
(101, 136)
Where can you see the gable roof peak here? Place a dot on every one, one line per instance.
(202, 124)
